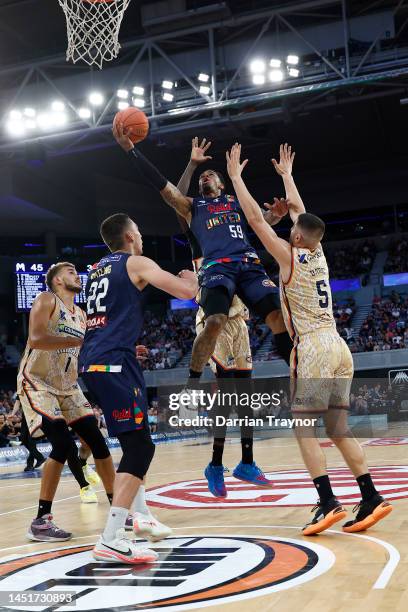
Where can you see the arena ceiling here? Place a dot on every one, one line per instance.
(350, 138)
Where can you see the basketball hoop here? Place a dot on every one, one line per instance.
(93, 29)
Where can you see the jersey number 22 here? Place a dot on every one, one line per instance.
(97, 292)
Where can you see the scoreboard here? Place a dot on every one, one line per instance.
(30, 281)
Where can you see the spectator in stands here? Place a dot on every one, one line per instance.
(385, 327)
(152, 419)
(4, 431)
(397, 260)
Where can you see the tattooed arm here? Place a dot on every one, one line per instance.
(148, 174)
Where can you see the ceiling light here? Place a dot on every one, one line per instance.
(96, 98)
(44, 121)
(257, 66)
(203, 77)
(84, 113)
(138, 91)
(167, 84)
(204, 89)
(276, 76)
(292, 59)
(258, 79)
(168, 97)
(122, 93)
(15, 128)
(139, 102)
(275, 63)
(123, 104)
(14, 114)
(58, 106)
(293, 72)
(29, 112)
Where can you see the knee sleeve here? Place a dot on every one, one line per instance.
(138, 450)
(59, 437)
(215, 300)
(88, 430)
(284, 345)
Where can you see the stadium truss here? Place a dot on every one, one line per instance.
(338, 74)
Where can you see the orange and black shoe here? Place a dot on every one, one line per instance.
(327, 514)
(368, 514)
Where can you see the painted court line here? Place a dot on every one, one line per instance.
(382, 580)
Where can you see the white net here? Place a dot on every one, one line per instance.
(93, 29)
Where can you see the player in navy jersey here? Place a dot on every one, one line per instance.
(111, 370)
(231, 265)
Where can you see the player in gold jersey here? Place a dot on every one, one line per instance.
(321, 363)
(47, 386)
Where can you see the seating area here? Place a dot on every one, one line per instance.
(386, 326)
(397, 260)
(351, 261)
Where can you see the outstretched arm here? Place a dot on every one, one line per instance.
(148, 174)
(198, 156)
(276, 211)
(284, 169)
(278, 248)
(144, 270)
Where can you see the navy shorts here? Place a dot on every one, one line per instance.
(121, 395)
(246, 279)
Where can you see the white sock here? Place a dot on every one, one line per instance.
(139, 502)
(116, 520)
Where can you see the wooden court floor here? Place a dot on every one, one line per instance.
(353, 572)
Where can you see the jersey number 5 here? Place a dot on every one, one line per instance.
(97, 291)
(322, 290)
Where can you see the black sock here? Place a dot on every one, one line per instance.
(193, 381)
(323, 487)
(110, 497)
(44, 507)
(284, 345)
(218, 449)
(366, 485)
(247, 446)
(82, 461)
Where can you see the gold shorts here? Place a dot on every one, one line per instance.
(232, 350)
(37, 403)
(321, 372)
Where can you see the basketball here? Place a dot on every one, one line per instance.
(135, 123)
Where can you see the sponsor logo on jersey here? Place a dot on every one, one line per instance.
(121, 415)
(268, 283)
(96, 321)
(289, 488)
(305, 258)
(219, 208)
(216, 277)
(65, 329)
(192, 572)
(221, 219)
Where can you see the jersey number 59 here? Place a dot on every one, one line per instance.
(97, 292)
(236, 231)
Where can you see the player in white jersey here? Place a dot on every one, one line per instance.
(321, 363)
(47, 386)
